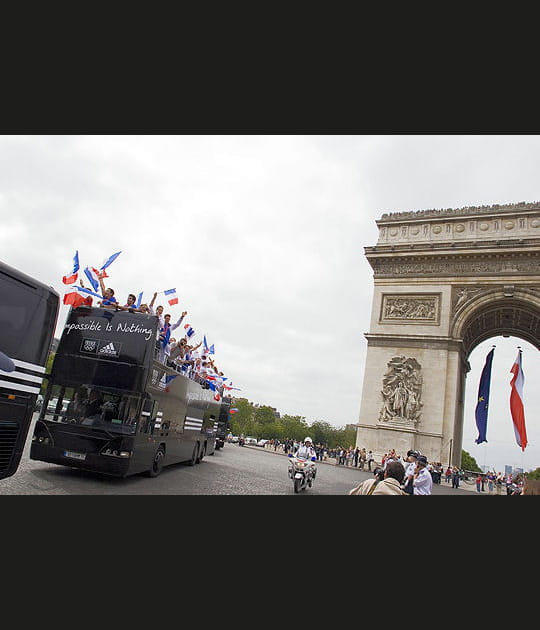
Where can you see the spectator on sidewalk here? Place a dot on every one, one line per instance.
(390, 484)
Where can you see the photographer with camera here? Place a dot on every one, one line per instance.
(385, 481)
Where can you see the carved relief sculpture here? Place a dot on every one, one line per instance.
(410, 308)
(402, 391)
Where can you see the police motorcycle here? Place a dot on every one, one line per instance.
(301, 471)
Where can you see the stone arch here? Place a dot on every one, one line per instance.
(508, 311)
(444, 281)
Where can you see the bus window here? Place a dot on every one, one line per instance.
(148, 415)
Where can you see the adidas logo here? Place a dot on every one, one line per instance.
(108, 349)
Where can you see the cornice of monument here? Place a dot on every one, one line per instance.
(466, 211)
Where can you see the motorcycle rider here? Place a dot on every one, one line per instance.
(306, 451)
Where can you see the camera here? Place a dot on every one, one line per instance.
(378, 473)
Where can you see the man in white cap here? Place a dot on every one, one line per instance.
(422, 481)
(306, 451)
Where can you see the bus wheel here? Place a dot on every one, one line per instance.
(202, 453)
(157, 464)
(194, 455)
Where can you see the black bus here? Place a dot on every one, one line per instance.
(111, 407)
(222, 426)
(28, 315)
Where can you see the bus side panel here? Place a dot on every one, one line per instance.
(14, 424)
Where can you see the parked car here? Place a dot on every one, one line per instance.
(250, 441)
(262, 442)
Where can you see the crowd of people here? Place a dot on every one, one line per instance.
(186, 358)
(413, 474)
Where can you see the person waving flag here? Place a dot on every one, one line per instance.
(516, 402)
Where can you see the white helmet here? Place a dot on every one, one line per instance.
(308, 439)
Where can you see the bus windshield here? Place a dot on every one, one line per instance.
(95, 407)
(26, 320)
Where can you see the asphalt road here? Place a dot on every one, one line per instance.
(234, 470)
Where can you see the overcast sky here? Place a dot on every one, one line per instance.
(263, 238)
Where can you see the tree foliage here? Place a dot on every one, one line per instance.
(534, 474)
(263, 423)
(469, 463)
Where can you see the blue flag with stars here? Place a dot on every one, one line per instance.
(481, 411)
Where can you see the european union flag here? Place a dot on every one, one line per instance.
(481, 411)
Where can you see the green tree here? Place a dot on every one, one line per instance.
(533, 474)
(321, 432)
(469, 463)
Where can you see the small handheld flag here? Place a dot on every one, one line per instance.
(138, 303)
(189, 331)
(165, 335)
(93, 277)
(74, 299)
(87, 291)
(171, 296)
(109, 260)
(516, 402)
(73, 275)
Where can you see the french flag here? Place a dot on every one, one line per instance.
(88, 292)
(189, 331)
(73, 276)
(93, 277)
(108, 261)
(171, 296)
(74, 299)
(516, 402)
(138, 303)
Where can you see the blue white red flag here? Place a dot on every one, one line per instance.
(481, 411)
(109, 260)
(72, 277)
(171, 296)
(138, 303)
(74, 299)
(205, 345)
(189, 331)
(516, 402)
(88, 292)
(93, 277)
(165, 334)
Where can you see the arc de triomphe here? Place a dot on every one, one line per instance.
(444, 281)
